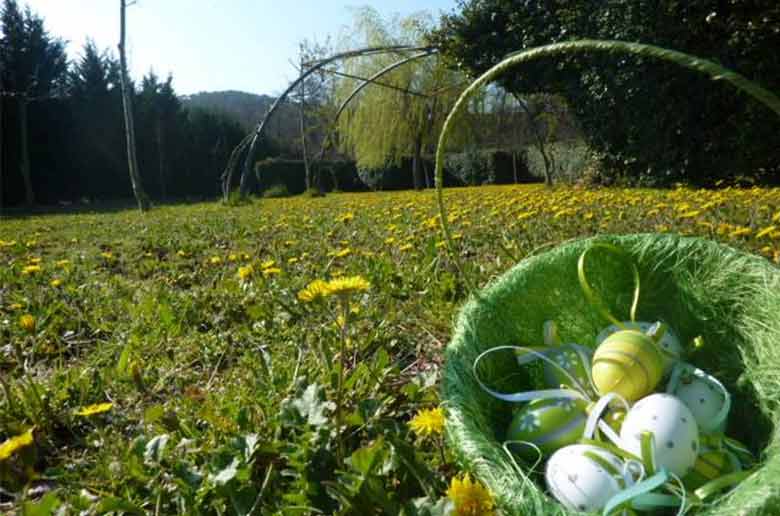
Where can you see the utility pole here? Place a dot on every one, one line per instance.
(127, 104)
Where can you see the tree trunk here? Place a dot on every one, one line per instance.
(416, 168)
(302, 120)
(162, 160)
(127, 104)
(24, 165)
(514, 164)
(539, 143)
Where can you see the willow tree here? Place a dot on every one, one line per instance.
(400, 115)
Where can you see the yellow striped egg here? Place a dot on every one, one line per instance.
(627, 363)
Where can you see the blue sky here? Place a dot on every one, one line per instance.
(213, 44)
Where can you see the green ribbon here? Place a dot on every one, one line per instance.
(720, 483)
(591, 295)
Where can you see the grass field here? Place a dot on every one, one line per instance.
(167, 364)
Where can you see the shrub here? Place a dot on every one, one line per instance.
(472, 166)
(569, 160)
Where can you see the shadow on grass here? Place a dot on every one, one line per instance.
(95, 207)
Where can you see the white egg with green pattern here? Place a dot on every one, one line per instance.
(574, 360)
(548, 424)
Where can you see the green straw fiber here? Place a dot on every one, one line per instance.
(697, 286)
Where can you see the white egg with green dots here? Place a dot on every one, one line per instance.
(673, 427)
(704, 398)
(583, 478)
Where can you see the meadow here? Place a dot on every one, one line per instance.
(186, 361)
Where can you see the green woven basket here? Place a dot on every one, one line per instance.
(698, 287)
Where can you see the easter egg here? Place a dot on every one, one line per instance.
(705, 399)
(709, 465)
(627, 363)
(581, 482)
(549, 424)
(576, 361)
(670, 342)
(674, 429)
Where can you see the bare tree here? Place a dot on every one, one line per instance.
(127, 103)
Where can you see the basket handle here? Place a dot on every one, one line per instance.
(705, 66)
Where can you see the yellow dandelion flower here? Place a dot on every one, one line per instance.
(292, 260)
(9, 243)
(348, 285)
(31, 269)
(62, 263)
(232, 257)
(14, 444)
(91, 410)
(775, 218)
(740, 231)
(428, 422)
(346, 217)
(317, 289)
(342, 253)
(766, 231)
(267, 264)
(271, 271)
(108, 255)
(56, 282)
(215, 260)
(15, 306)
(27, 323)
(182, 254)
(34, 260)
(246, 272)
(390, 240)
(470, 498)
(405, 247)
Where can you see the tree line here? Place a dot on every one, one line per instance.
(62, 130)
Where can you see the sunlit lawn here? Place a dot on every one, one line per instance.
(223, 384)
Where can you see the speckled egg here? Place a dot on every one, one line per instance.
(575, 360)
(580, 482)
(674, 430)
(550, 424)
(627, 363)
(704, 399)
